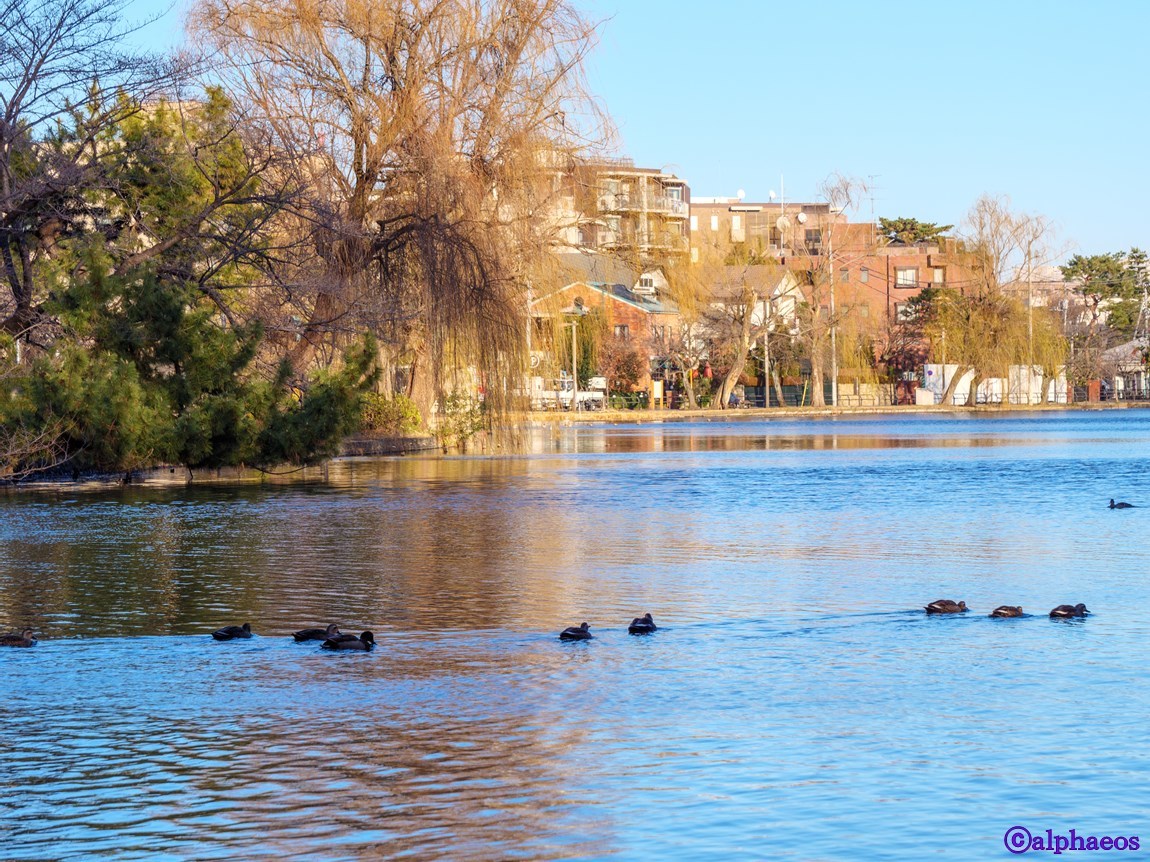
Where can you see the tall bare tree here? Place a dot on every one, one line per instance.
(822, 316)
(430, 134)
(1006, 247)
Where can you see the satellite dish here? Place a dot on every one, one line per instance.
(740, 194)
(771, 195)
(783, 223)
(802, 217)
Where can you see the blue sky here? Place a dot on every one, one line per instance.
(1044, 102)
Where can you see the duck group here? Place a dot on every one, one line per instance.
(949, 606)
(330, 637)
(643, 625)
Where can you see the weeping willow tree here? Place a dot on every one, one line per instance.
(591, 332)
(427, 136)
(856, 347)
(987, 330)
(987, 335)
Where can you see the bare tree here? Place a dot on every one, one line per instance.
(733, 331)
(62, 67)
(687, 347)
(1006, 247)
(822, 316)
(429, 134)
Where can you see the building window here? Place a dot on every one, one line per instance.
(939, 275)
(814, 241)
(622, 330)
(694, 255)
(675, 193)
(902, 312)
(714, 222)
(864, 275)
(844, 275)
(694, 222)
(646, 281)
(737, 232)
(864, 311)
(906, 276)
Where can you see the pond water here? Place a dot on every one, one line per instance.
(796, 702)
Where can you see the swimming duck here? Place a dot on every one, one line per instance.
(643, 625)
(577, 633)
(26, 638)
(946, 606)
(316, 634)
(1114, 505)
(1006, 611)
(1063, 612)
(229, 632)
(364, 642)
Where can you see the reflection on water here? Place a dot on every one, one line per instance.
(795, 703)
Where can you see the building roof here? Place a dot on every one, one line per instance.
(1127, 357)
(594, 268)
(649, 303)
(767, 280)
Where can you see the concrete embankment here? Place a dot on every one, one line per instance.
(757, 413)
(358, 446)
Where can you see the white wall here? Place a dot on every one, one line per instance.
(1024, 387)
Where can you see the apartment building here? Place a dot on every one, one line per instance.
(611, 205)
(873, 278)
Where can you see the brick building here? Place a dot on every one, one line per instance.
(633, 304)
(873, 278)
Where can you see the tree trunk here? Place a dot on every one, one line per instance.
(948, 395)
(778, 388)
(744, 346)
(689, 388)
(975, 382)
(818, 399)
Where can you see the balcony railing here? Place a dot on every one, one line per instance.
(661, 204)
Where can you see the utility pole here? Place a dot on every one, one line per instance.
(944, 363)
(834, 332)
(574, 369)
(767, 349)
(1029, 319)
(529, 321)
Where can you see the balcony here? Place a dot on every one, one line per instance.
(664, 241)
(659, 204)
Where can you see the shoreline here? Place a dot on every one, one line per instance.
(369, 446)
(639, 417)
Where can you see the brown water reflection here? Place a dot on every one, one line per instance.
(701, 438)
